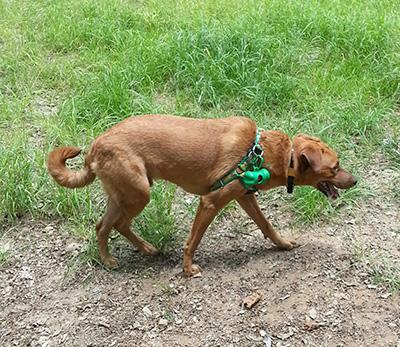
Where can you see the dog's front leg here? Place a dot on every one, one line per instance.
(250, 205)
(209, 207)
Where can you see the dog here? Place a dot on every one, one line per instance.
(194, 154)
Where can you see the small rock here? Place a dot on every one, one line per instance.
(267, 341)
(73, 247)
(26, 273)
(163, 322)
(104, 324)
(96, 289)
(152, 334)
(137, 325)
(263, 333)
(285, 336)
(282, 298)
(313, 313)
(49, 229)
(385, 295)
(189, 199)
(281, 344)
(43, 341)
(178, 322)
(147, 311)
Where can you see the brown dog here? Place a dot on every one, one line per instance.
(194, 154)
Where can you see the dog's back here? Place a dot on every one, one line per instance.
(181, 150)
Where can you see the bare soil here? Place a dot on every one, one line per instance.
(320, 294)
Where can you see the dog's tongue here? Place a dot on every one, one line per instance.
(333, 192)
(329, 190)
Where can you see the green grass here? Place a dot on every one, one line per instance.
(5, 253)
(309, 204)
(157, 222)
(383, 269)
(327, 68)
(387, 274)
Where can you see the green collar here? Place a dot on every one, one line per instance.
(249, 171)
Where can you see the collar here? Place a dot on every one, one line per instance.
(291, 174)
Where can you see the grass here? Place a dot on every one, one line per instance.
(5, 253)
(157, 223)
(330, 69)
(310, 205)
(387, 274)
(382, 268)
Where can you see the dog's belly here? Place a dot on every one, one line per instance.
(188, 182)
(194, 189)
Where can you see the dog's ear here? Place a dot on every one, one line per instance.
(312, 157)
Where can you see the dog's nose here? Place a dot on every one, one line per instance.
(354, 181)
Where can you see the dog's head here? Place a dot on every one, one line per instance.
(317, 165)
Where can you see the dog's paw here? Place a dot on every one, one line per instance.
(288, 244)
(193, 270)
(110, 262)
(149, 250)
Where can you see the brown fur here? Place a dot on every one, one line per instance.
(192, 153)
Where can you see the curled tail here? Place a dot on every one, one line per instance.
(64, 176)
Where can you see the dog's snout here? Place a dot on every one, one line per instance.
(354, 181)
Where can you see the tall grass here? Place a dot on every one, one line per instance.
(326, 68)
(19, 185)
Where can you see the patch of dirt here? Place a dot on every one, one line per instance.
(315, 295)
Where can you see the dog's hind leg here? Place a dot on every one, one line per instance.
(129, 191)
(136, 195)
(103, 229)
(123, 226)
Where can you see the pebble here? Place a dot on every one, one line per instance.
(73, 247)
(163, 322)
(49, 229)
(313, 313)
(147, 311)
(26, 273)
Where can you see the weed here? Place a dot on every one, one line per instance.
(90, 251)
(5, 253)
(386, 273)
(382, 269)
(391, 146)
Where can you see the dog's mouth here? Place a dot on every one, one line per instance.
(328, 189)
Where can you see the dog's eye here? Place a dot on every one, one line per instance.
(335, 170)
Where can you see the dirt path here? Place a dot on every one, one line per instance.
(49, 298)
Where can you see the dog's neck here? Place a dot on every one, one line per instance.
(278, 150)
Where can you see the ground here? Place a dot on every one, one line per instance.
(323, 293)
(71, 69)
